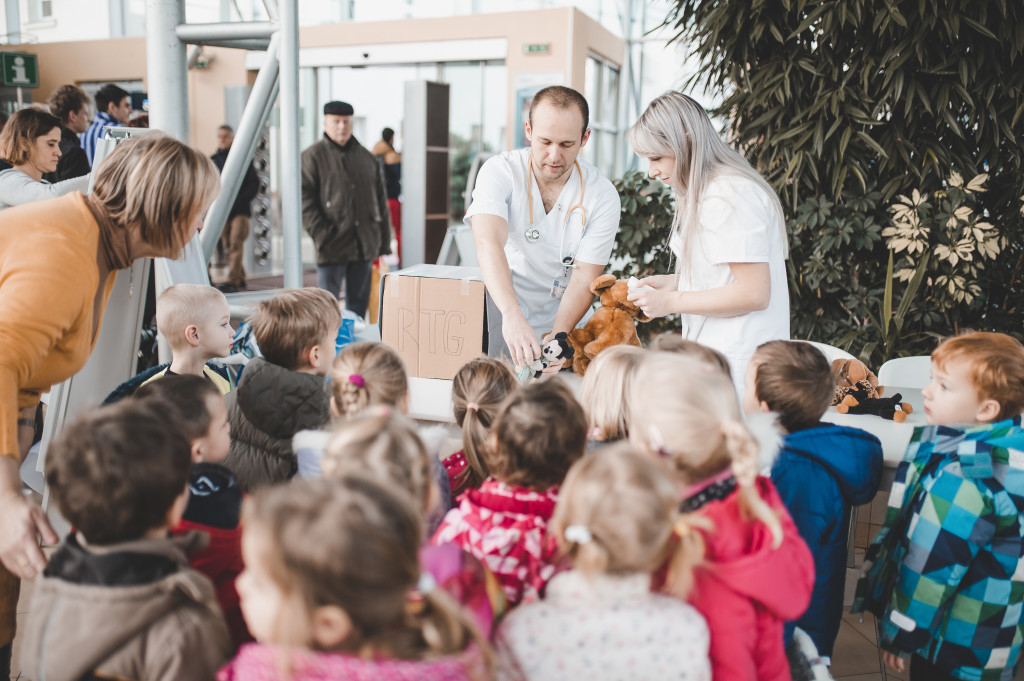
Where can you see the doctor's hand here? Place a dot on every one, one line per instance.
(653, 303)
(520, 339)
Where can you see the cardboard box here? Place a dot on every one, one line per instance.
(434, 316)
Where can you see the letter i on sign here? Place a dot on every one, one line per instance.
(20, 74)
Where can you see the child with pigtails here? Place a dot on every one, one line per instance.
(756, 572)
(614, 523)
(332, 589)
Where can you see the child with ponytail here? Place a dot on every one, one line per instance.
(614, 521)
(332, 589)
(384, 445)
(365, 374)
(757, 572)
(539, 433)
(478, 390)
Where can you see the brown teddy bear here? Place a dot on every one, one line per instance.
(853, 374)
(612, 324)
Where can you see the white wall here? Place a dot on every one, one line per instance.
(73, 20)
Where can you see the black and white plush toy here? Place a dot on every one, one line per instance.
(555, 349)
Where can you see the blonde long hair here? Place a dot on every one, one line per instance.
(687, 413)
(354, 543)
(675, 125)
(617, 514)
(604, 392)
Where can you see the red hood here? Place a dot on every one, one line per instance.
(740, 555)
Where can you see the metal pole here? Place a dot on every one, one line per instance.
(261, 100)
(256, 44)
(197, 33)
(291, 187)
(270, 6)
(167, 75)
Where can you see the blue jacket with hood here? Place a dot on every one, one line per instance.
(821, 473)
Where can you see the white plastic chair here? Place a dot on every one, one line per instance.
(831, 352)
(906, 372)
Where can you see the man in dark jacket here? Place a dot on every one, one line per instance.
(70, 104)
(344, 208)
(237, 229)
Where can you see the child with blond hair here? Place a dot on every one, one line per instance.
(539, 433)
(196, 322)
(604, 393)
(673, 342)
(383, 444)
(944, 573)
(822, 471)
(757, 572)
(478, 391)
(333, 589)
(283, 391)
(614, 521)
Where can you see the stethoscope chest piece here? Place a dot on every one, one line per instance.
(532, 234)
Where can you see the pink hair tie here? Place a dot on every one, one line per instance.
(357, 380)
(472, 405)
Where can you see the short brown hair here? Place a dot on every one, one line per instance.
(562, 97)
(66, 100)
(158, 185)
(186, 397)
(117, 471)
(674, 342)
(795, 380)
(367, 373)
(21, 132)
(181, 306)
(540, 432)
(996, 367)
(292, 322)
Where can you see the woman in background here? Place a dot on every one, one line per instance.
(30, 142)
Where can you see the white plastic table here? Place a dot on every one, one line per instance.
(430, 399)
(894, 436)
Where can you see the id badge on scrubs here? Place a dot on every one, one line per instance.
(558, 286)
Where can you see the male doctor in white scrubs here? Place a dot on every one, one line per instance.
(544, 223)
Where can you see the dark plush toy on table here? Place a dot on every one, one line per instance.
(890, 408)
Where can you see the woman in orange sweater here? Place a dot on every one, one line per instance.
(58, 261)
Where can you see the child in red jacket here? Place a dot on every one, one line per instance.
(539, 432)
(756, 572)
(215, 500)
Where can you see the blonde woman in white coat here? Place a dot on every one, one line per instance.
(728, 235)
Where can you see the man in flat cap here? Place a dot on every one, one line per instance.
(344, 208)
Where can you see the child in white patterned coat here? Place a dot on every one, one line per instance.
(614, 521)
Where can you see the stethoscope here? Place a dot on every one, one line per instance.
(532, 234)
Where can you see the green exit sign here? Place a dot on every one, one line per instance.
(536, 48)
(19, 70)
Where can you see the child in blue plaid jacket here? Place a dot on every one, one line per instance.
(946, 573)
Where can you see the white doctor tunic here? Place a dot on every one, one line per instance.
(736, 223)
(501, 190)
